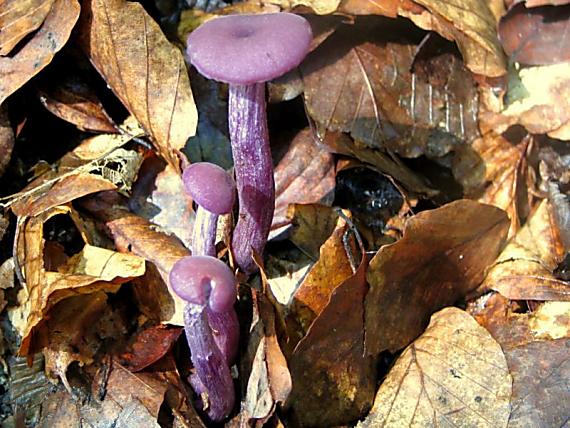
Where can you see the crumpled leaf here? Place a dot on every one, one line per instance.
(333, 378)
(305, 175)
(321, 7)
(537, 99)
(19, 18)
(93, 269)
(537, 35)
(455, 374)
(134, 234)
(6, 139)
(524, 268)
(37, 53)
(71, 99)
(441, 257)
(143, 69)
(360, 81)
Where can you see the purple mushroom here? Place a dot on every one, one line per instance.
(213, 190)
(245, 51)
(205, 282)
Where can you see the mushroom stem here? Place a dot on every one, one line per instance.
(209, 363)
(253, 169)
(204, 233)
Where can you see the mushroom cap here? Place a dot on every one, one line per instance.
(204, 279)
(210, 186)
(247, 49)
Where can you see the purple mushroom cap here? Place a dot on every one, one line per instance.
(210, 186)
(204, 279)
(246, 49)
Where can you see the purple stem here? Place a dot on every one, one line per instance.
(204, 233)
(254, 171)
(209, 363)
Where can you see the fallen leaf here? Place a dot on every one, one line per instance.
(455, 374)
(321, 7)
(524, 269)
(333, 378)
(71, 99)
(360, 81)
(38, 52)
(143, 69)
(20, 18)
(304, 175)
(537, 35)
(6, 139)
(149, 346)
(438, 260)
(537, 99)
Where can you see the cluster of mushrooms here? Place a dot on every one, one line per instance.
(244, 51)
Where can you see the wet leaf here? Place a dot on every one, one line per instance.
(360, 81)
(305, 175)
(454, 374)
(143, 69)
(20, 18)
(72, 100)
(17, 69)
(524, 268)
(149, 346)
(537, 35)
(441, 257)
(333, 379)
(6, 139)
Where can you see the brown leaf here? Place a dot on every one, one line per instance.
(19, 18)
(471, 24)
(38, 52)
(135, 234)
(6, 139)
(149, 346)
(333, 379)
(536, 36)
(305, 175)
(455, 374)
(321, 7)
(71, 99)
(441, 257)
(359, 81)
(144, 70)
(524, 268)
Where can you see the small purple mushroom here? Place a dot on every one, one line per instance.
(245, 51)
(206, 283)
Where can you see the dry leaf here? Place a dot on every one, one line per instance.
(144, 70)
(536, 36)
(321, 7)
(524, 268)
(333, 379)
(19, 18)
(360, 81)
(38, 52)
(305, 175)
(441, 257)
(6, 139)
(455, 374)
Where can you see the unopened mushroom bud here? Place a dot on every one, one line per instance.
(245, 51)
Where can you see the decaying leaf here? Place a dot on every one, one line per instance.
(360, 81)
(321, 7)
(144, 70)
(537, 35)
(441, 257)
(19, 18)
(524, 268)
(6, 139)
(305, 175)
(455, 374)
(17, 69)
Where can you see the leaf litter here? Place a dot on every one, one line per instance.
(418, 268)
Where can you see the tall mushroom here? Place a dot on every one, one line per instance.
(245, 51)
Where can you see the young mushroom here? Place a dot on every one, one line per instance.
(206, 283)
(245, 51)
(213, 190)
